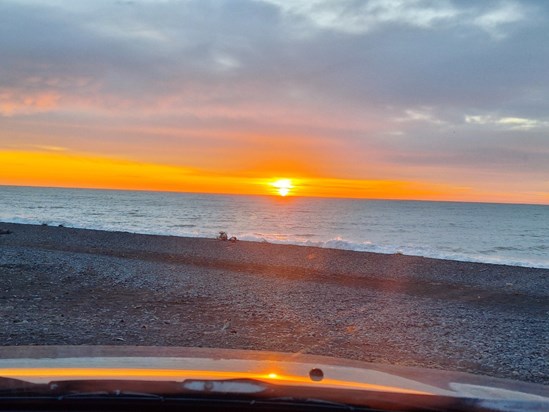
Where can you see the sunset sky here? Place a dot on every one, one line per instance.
(418, 99)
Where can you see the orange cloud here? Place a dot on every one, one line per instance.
(12, 103)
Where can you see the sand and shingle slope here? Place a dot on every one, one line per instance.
(73, 286)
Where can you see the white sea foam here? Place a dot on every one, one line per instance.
(339, 243)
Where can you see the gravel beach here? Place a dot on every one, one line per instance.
(64, 286)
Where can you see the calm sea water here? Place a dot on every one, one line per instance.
(494, 233)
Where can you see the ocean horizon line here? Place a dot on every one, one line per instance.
(266, 195)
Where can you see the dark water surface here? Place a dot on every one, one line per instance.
(482, 232)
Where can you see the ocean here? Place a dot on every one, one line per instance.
(477, 232)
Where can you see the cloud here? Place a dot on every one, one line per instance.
(359, 17)
(495, 20)
(354, 17)
(203, 55)
(46, 148)
(14, 103)
(513, 123)
(424, 114)
(403, 82)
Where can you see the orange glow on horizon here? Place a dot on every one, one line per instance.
(65, 169)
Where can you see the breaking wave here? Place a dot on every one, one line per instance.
(367, 246)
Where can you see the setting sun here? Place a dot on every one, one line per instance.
(283, 186)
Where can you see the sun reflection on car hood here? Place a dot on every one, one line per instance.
(59, 363)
